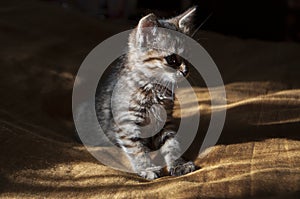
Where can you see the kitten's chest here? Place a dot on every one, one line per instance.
(151, 94)
(153, 106)
(157, 100)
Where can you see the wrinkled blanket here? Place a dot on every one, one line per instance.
(42, 47)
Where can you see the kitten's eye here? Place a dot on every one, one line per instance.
(173, 60)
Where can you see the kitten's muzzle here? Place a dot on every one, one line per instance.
(184, 70)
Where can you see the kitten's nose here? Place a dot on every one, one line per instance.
(184, 70)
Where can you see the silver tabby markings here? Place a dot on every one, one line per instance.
(137, 96)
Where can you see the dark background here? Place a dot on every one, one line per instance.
(274, 20)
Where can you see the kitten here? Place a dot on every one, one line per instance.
(137, 85)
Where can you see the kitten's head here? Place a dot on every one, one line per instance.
(154, 50)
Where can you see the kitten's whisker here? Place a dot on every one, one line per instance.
(161, 84)
(166, 88)
(173, 90)
(157, 83)
(163, 87)
(204, 38)
(197, 29)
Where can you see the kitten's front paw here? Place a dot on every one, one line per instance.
(151, 173)
(182, 168)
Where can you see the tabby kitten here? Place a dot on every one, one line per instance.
(130, 100)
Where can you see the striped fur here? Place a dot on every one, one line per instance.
(134, 102)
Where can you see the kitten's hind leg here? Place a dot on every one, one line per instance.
(176, 165)
(141, 161)
(181, 167)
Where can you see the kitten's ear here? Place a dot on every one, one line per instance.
(148, 21)
(185, 20)
(145, 28)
